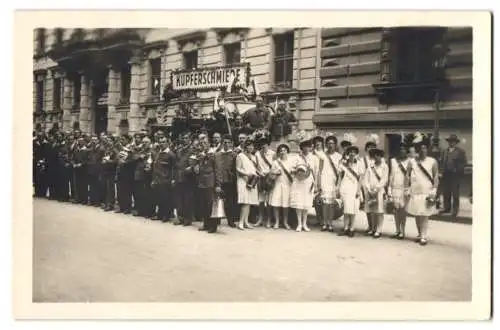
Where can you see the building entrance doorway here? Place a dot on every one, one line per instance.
(101, 119)
(393, 142)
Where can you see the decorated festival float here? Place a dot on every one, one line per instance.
(215, 99)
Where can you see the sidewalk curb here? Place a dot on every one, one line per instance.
(448, 218)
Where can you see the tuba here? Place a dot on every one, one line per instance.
(218, 208)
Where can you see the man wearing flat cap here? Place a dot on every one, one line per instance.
(452, 164)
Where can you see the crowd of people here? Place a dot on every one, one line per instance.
(159, 178)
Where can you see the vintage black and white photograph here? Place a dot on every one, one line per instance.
(253, 164)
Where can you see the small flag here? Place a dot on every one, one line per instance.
(255, 86)
(216, 101)
(230, 84)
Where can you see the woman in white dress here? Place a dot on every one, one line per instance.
(248, 175)
(366, 162)
(319, 150)
(423, 182)
(350, 189)
(328, 179)
(396, 189)
(265, 157)
(279, 197)
(375, 180)
(304, 185)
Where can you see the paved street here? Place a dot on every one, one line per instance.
(83, 254)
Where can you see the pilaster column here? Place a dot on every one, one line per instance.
(67, 102)
(135, 72)
(84, 104)
(35, 95)
(164, 79)
(48, 90)
(113, 97)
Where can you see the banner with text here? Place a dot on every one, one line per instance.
(209, 78)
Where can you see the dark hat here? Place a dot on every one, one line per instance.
(370, 144)
(376, 152)
(344, 144)
(331, 137)
(138, 134)
(351, 148)
(318, 138)
(283, 145)
(227, 137)
(248, 141)
(453, 137)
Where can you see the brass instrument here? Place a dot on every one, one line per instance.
(218, 209)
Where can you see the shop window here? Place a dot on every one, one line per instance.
(232, 53)
(126, 78)
(283, 60)
(155, 79)
(40, 95)
(56, 97)
(191, 60)
(40, 40)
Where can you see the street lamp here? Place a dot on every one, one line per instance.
(440, 51)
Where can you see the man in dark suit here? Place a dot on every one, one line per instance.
(226, 165)
(79, 161)
(109, 161)
(183, 182)
(40, 146)
(452, 164)
(124, 176)
(258, 117)
(163, 180)
(65, 166)
(138, 156)
(53, 165)
(96, 153)
(208, 182)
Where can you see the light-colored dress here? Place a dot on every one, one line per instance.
(244, 165)
(302, 191)
(349, 187)
(264, 168)
(371, 182)
(397, 182)
(329, 176)
(280, 194)
(420, 188)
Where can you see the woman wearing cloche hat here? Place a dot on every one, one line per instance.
(246, 182)
(279, 196)
(349, 188)
(423, 183)
(329, 177)
(304, 187)
(374, 181)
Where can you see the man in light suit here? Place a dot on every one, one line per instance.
(452, 164)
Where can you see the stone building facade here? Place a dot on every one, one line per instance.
(359, 80)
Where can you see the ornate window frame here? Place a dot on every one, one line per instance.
(387, 90)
